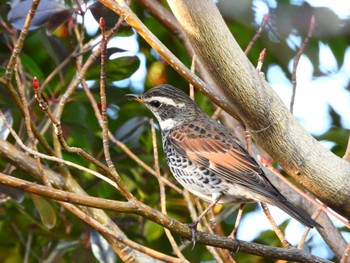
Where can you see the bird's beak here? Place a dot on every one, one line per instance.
(134, 97)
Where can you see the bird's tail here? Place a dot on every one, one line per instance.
(297, 213)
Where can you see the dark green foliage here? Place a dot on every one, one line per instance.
(42, 54)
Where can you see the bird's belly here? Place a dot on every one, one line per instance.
(205, 185)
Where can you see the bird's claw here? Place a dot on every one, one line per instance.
(193, 227)
(238, 243)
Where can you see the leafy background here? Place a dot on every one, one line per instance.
(50, 42)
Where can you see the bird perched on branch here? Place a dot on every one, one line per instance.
(206, 159)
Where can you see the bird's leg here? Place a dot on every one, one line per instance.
(233, 234)
(194, 224)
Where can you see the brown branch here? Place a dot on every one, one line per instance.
(19, 106)
(27, 121)
(122, 145)
(122, 9)
(329, 232)
(103, 98)
(64, 196)
(19, 44)
(58, 130)
(54, 158)
(167, 19)
(151, 214)
(297, 58)
(116, 237)
(24, 162)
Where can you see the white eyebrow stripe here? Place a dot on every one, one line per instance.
(166, 101)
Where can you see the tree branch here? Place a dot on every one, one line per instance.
(27, 163)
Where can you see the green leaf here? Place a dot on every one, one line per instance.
(32, 66)
(117, 69)
(46, 211)
(153, 231)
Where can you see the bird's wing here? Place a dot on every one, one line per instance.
(223, 156)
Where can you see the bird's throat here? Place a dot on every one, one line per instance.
(167, 124)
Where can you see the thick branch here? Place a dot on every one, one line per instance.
(269, 120)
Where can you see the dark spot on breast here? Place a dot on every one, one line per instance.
(202, 131)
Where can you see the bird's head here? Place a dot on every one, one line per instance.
(171, 106)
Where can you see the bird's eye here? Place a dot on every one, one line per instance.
(155, 103)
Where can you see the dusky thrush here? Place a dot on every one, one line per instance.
(206, 159)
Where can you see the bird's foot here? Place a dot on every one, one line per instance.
(233, 235)
(193, 227)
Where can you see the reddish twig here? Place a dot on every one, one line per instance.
(257, 34)
(103, 97)
(297, 58)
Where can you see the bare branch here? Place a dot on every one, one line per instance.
(297, 58)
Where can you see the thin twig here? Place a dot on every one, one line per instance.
(122, 145)
(19, 44)
(347, 152)
(58, 130)
(257, 34)
(171, 239)
(53, 158)
(275, 227)
(193, 70)
(19, 105)
(107, 233)
(28, 126)
(103, 97)
(122, 9)
(307, 230)
(266, 164)
(264, 206)
(297, 58)
(81, 72)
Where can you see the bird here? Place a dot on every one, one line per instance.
(208, 160)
